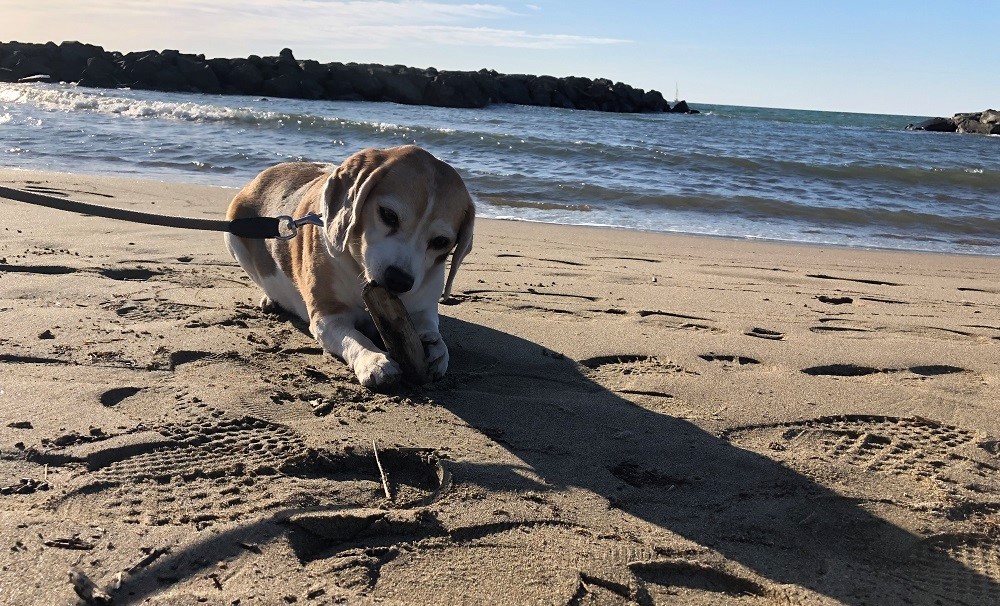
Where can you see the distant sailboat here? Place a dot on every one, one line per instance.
(677, 93)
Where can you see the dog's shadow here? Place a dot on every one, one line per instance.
(785, 526)
(569, 431)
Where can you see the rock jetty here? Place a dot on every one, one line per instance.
(979, 123)
(286, 76)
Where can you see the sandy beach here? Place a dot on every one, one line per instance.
(628, 418)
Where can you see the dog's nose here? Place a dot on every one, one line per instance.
(397, 280)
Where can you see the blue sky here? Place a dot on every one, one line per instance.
(915, 58)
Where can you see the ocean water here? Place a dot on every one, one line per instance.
(803, 176)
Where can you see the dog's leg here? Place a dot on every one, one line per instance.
(337, 334)
(425, 322)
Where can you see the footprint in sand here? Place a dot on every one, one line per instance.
(627, 364)
(633, 374)
(918, 460)
(231, 468)
(146, 310)
(680, 321)
(979, 555)
(950, 476)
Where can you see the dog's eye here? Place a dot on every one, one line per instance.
(388, 217)
(439, 243)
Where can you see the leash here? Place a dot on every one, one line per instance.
(282, 227)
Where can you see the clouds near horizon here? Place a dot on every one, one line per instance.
(241, 27)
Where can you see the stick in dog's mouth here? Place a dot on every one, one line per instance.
(400, 338)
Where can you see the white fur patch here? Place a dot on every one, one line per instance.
(277, 286)
(337, 334)
(280, 289)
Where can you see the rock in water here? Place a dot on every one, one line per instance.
(941, 125)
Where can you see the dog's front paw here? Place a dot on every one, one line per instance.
(436, 354)
(377, 371)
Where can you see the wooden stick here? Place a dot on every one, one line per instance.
(90, 593)
(385, 479)
(401, 339)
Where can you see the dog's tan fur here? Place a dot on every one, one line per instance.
(319, 275)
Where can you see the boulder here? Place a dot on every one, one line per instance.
(969, 123)
(311, 89)
(169, 78)
(629, 98)
(405, 87)
(486, 80)
(941, 125)
(559, 99)
(541, 88)
(73, 57)
(198, 75)
(600, 91)
(313, 76)
(653, 101)
(681, 107)
(140, 69)
(99, 73)
(513, 88)
(244, 77)
(285, 85)
(338, 83)
(455, 89)
(972, 126)
(221, 68)
(362, 80)
(26, 63)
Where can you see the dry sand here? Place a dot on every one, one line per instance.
(628, 418)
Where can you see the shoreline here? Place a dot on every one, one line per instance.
(627, 417)
(744, 239)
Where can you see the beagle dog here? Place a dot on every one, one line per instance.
(391, 216)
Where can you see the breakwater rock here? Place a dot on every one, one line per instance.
(286, 76)
(979, 123)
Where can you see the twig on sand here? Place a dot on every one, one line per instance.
(385, 479)
(151, 556)
(73, 542)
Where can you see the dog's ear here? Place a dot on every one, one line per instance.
(462, 246)
(344, 196)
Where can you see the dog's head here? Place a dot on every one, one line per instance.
(399, 212)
